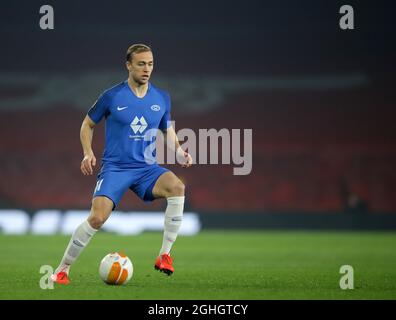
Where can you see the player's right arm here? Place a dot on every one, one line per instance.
(86, 133)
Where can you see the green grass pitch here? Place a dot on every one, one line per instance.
(212, 265)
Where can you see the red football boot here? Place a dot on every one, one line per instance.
(61, 278)
(163, 263)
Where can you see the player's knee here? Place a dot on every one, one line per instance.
(96, 221)
(100, 211)
(177, 189)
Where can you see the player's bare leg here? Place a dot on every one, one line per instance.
(170, 187)
(100, 211)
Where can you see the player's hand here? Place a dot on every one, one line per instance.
(87, 164)
(184, 158)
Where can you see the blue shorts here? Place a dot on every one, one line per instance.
(113, 182)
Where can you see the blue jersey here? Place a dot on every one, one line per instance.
(131, 123)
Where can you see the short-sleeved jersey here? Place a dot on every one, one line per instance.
(131, 123)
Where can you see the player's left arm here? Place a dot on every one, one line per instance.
(172, 142)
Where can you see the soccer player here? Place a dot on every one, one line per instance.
(131, 109)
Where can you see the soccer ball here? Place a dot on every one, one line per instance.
(116, 268)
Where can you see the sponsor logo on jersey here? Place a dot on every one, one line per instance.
(138, 125)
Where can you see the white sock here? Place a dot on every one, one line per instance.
(80, 238)
(173, 220)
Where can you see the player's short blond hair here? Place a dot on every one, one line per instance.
(136, 48)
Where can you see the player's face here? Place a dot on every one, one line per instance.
(141, 66)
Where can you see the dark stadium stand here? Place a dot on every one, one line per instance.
(309, 153)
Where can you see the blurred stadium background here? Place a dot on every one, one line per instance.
(320, 102)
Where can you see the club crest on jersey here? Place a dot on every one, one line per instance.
(155, 107)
